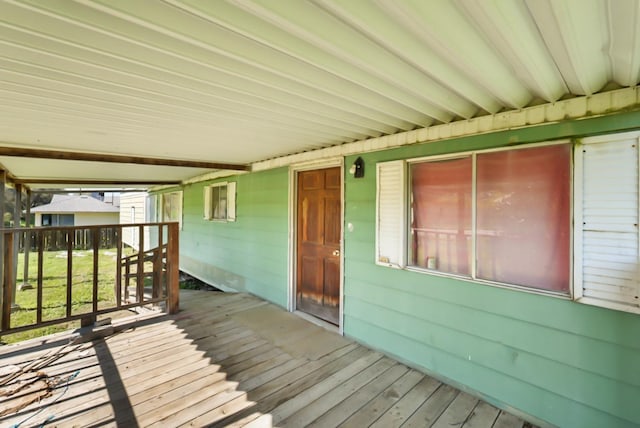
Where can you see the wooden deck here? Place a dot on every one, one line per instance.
(232, 360)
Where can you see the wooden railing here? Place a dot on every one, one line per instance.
(72, 284)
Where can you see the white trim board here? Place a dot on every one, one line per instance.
(575, 108)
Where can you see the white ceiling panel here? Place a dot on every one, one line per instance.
(99, 172)
(240, 81)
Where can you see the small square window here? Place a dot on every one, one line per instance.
(219, 202)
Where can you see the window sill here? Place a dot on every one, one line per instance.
(218, 220)
(521, 288)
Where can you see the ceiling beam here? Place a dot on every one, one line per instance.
(96, 157)
(81, 182)
(75, 190)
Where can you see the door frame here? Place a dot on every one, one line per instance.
(293, 238)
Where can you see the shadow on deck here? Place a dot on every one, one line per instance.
(230, 360)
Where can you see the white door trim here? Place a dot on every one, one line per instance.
(293, 218)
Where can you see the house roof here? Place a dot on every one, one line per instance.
(244, 81)
(75, 204)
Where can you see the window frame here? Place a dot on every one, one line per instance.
(409, 211)
(208, 208)
(54, 219)
(159, 207)
(406, 237)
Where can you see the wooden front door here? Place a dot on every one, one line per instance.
(318, 246)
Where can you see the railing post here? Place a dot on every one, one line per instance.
(70, 243)
(118, 232)
(173, 252)
(40, 279)
(3, 180)
(96, 264)
(157, 271)
(17, 213)
(8, 280)
(27, 243)
(140, 268)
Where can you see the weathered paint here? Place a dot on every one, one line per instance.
(249, 254)
(556, 361)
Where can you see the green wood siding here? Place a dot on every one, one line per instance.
(562, 362)
(249, 254)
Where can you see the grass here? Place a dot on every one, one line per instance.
(54, 291)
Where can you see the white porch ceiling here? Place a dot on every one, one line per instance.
(241, 81)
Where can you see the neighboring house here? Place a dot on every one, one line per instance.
(133, 210)
(75, 210)
(140, 207)
(508, 270)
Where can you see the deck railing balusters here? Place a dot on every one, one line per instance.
(164, 257)
(40, 281)
(70, 240)
(119, 268)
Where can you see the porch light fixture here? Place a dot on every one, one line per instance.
(357, 169)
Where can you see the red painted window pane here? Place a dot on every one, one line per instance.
(441, 215)
(523, 217)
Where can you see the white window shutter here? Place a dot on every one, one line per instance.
(231, 201)
(391, 214)
(207, 202)
(610, 251)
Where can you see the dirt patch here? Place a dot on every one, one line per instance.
(187, 282)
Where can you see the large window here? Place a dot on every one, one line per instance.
(501, 216)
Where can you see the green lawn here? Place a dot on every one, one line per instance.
(54, 292)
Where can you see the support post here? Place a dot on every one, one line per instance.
(7, 280)
(70, 243)
(140, 267)
(173, 282)
(40, 283)
(17, 213)
(118, 232)
(3, 293)
(27, 243)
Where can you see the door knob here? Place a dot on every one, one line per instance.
(336, 253)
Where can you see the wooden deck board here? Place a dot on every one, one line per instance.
(458, 412)
(483, 415)
(431, 409)
(235, 360)
(288, 386)
(378, 406)
(408, 404)
(307, 406)
(338, 413)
